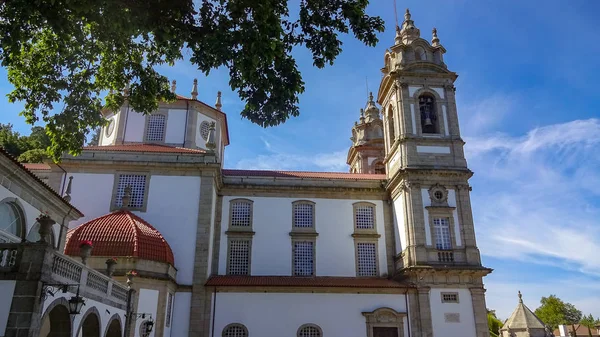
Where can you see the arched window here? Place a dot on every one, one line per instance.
(391, 128)
(309, 330)
(428, 114)
(420, 54)
(235, 330)
(12, 219)
(155, 130)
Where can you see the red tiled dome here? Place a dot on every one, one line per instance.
(120, 233)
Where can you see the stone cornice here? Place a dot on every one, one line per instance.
(312, 191)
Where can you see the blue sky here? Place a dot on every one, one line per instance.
(528, 107)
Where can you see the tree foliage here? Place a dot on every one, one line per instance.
(69, 58)
(494, 324)
(554, 312)
(590, 321)
(27, 149)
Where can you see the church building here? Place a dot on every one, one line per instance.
(385, 250)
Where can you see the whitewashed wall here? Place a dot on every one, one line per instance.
(7, 289)
(30, 212)
(180, 321)
(201, 142)
(399, 224)
(272, 247)
(147, 303)
(175, 132)
(107, 140)
(452, 203)
(281, 314)
(172, 209)
(106, 312)
(134, 127)
(466, 326)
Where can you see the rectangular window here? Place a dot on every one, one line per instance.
(385, 332)
(169, 308)
(303, 215)
(303, 258)
(441, 227)
(366, 255)
(449, 297)
(155, 130)
(241, 214)
(239, 257)
(364, 217)
(137, 183)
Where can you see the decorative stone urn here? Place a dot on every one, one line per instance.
(85, 250)
(45, 229)
(111, 264)
(130, 275)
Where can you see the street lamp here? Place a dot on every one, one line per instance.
(75, 302)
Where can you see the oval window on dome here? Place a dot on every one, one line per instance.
(204, 129)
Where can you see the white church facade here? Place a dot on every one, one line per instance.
(386, 250)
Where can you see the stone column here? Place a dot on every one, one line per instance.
(191, 127)
(25, 314)
(479, 312)
(201, 297)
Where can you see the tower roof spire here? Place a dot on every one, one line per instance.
(409, 31)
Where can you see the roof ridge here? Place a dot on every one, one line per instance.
(136, 231)
(292, 171)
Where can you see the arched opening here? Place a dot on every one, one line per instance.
(390, 126)
(114, 329)
(428, 114)
(90, 326)
(420, 54)
(12, 219)
(57, 323)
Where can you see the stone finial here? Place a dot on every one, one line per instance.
(173, 86)
(520, 297)
(195, 89)
(126, 197)
(210, 140)
(407, 15)
(362, 116)
(409, 32)
(435, 40)
(218, 104)
(67, 195)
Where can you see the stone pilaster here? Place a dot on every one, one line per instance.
(424, 312)
(201, 297)
(191, 128)
(479, 312)
(413, 309)
(390, 243)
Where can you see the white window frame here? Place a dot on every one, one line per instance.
(355, 213)
(442, 233)
(250, 204)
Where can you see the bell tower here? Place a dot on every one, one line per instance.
(367, 151)
(428, 184)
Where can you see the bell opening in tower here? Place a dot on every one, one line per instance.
(428, 114)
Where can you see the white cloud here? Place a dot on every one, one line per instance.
(334, 162)
(535, 200)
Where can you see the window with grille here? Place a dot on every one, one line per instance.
(303, 258)
(304, 215)
(155, 131)
(137, 182)
(441, 227)
(309, 330)
(364, 216)
(235, 330)
(449, 297)
(366, 254)
(239, 257)
(169, 308)
(241, 213)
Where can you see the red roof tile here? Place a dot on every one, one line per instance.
(9, 156)
(37, 166)
(302, 174)
(143, 148)
(120, 233)
(295, 281)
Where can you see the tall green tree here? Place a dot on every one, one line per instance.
(494, 324)
(69, 58)
(589, 321)
(27, 149)
(554, 312)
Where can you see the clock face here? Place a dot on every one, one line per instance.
(110, 128)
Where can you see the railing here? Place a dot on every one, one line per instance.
(119, 292)
(445, 256)
(97, 282)
(8, 255)
(66, 267)
(8, 238)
